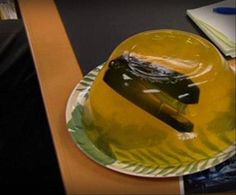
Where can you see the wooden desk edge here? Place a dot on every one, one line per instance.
(41, 19)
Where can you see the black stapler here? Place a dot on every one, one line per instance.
(160, 91)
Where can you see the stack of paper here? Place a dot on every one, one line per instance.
(7, 10)
(220, 28)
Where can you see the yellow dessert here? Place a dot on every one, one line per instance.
(163, 98)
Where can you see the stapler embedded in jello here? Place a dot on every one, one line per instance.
(163, 86)
(160, 91)
(161, 105)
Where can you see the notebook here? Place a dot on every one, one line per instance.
(220, 28)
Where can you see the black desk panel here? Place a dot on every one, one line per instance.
(28, 162)
(95, 28)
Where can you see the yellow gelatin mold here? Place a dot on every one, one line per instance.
(162, 105)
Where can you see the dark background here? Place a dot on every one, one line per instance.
(28, 163)
(95, 28)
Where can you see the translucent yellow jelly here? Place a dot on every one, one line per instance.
(127, 132)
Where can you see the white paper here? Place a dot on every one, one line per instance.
(221, 22)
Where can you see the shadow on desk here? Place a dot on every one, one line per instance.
(27, 158)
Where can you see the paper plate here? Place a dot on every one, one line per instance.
(74, 119)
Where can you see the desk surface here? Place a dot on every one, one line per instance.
(95, 29)
(58, 72)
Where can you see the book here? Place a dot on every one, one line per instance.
(220, 28)
(220, 179)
